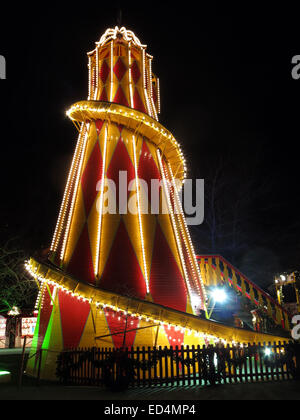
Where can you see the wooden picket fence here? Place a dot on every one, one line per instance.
(180, 366)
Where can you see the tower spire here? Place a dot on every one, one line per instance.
(119, 18)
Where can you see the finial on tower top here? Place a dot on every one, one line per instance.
(117, 32)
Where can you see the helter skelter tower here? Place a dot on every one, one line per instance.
(142, 255)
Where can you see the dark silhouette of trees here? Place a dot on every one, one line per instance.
(241, 218)
(17, 288)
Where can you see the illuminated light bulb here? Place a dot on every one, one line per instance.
(268, 351)
(219, 295)
(111, 70)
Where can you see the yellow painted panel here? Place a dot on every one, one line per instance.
(144, 337)
(110, 225)
(77, 223)
(164, 221)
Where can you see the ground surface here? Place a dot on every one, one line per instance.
(288, 390)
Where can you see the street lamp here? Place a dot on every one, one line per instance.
(14, 311)
(217, 295)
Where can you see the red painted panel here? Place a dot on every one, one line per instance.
(120, 162)
(166, 283)
(122, 272)
(73, 314)
(120, 97)
(104, 71)
(103, 96)
(147, 169)
(90, 177)
(175, 338)
(116, 323)
(135, 72)
(81, 263)
(137, 102)
(120, 69)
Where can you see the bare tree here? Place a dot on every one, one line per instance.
(17, 288)
(230, 197)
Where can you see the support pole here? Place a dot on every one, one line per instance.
(22, 363)
(39, 367)
(156, 336)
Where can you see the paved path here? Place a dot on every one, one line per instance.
(16, 351)
(288, 390)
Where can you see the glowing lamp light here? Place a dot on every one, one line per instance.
(4, 372)
(5, 376)
(14, 311)
(219, 295)
(267, 352)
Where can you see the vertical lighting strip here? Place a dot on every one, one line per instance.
(158, 96)
(79, 167)
(144, 79)
(176, 216)
(101, 202)
(111, 70)
(174, 224)
(129, 74)
(40, 286)
(151, 88)
(186, 233)
(90, 78)
(139, 212)
(179, 213)
(93, 81)
(97, 74)
(66, 196)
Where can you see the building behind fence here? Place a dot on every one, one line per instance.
(180, 365)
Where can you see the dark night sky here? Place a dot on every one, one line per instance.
(226, 89)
